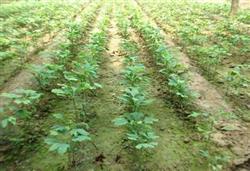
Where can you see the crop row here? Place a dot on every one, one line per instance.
(46, 75)
(71, 77)
(18, 45)
(134, 96)
(170, 66)
(67, 134)
(18, 33)
(139, 131)
(212, 40)
(176, 81)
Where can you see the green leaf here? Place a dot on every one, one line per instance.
(151, 135)
(136, 116)
(120, 121)
(204, 153)
(12, 120)
(194, 114)
(8, 120)
(53, 132)
(58, 92)
(70, 76)
(9, 95)
(4, 123)
(23, 101)
(53, 147)
(133, 137)
(60, 148)
(146, 145)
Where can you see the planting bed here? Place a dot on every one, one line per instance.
(124, 85)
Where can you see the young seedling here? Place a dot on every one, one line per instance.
(215, 161)
(204, 123)
(179, 87)
(131, 60)
(63, 54)
(96, 45)
(134, 98)
(74, 35)
(64, 138)
(130, 47)
(236, 80)
(139, 128)
(134, 74)
(21, 106)
(47, 74)
(16, 116)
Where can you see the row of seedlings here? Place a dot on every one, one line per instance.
(70, 131)
(47, 75)
(27, 28)
(17, 45)
(211, 52)
(177, 83)
(170, 66)
(19, 114)
(227, 36)
(140, 135)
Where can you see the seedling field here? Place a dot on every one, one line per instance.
(124, 85)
